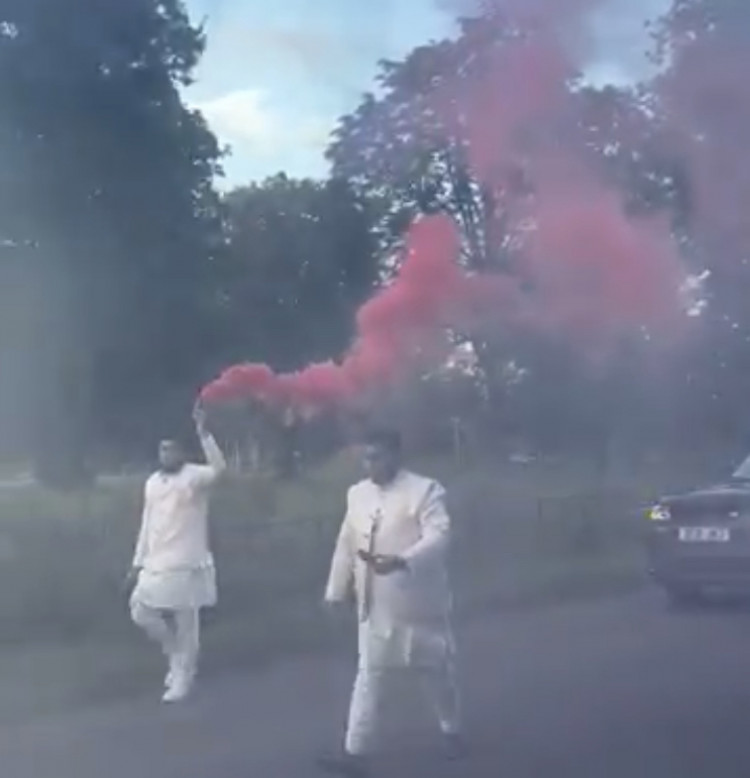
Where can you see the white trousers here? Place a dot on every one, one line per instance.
(176, 631)
(438, 684)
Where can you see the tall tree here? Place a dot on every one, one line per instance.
(450, 113)
(703, 98)
(302, 259)
(107, 203)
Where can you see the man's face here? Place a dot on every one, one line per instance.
(381, 464)
(171, 456)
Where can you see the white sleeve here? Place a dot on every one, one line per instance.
(341, 575)
(141, 546)
(435, 526)
(207, 475)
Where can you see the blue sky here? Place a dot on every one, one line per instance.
(277, 75)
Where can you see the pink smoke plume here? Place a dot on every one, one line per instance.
(404, 324)
(583, 268)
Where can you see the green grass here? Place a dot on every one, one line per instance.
(522, 536)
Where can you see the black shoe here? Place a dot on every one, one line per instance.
(455, 748)
(345, 765)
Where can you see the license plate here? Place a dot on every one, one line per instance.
(704, 534)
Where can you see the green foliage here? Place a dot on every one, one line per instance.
(301, 261)
(108, 213)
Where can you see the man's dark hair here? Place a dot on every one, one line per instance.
(177, 439)
(386, 438)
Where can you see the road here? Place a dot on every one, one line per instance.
(613, 689)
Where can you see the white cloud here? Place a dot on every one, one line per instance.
(264, 137)
(248, 117)
(622, 39)
(276, 78)
(274, 83)
(242, 116)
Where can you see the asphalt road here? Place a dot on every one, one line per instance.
(616, 688)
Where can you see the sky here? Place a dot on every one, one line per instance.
(276, 76)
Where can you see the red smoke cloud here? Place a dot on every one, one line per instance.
(402, 324)
(582, 268)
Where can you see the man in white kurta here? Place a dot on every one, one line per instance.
(173, 567)
(391, 553)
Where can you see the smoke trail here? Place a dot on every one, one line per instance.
(403, 325)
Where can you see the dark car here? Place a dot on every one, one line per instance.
(699, 542)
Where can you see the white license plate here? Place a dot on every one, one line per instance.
(704, 534)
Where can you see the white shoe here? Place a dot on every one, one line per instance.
(178, 690)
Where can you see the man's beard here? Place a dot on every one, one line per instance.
(385, 478)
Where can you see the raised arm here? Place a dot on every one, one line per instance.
(216, 463)
(435, 526)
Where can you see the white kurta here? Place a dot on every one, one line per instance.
(404, 617)
(173, 552)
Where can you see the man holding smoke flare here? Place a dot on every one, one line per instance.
(173, 568)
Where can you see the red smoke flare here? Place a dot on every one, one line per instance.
(402, 325)
(590, 272)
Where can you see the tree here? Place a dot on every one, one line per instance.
(703, 99)
(301, 261)
(450, 129)
(406, 154)
(107, 187)
(404, 143)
